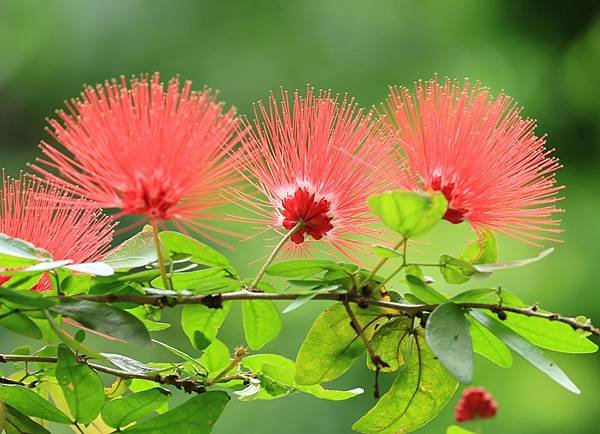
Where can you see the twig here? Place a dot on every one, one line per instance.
(216, 300)
(159, 255)
(274, 253)
(186, 384)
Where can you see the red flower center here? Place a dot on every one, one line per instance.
(303, 207)
(453, 215)
(154, 204)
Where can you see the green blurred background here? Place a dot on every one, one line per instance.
(544, 54)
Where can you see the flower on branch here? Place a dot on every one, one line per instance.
(475, 403)
(481, 154)
(161, 151)
(49, 218)
(315, 159)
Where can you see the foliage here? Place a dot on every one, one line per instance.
(421, 338)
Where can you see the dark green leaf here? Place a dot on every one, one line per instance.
(137, 251)
(421, 391)
(195, 416)
(486, 344)
(201, 324)
(387, 342)
(33, 405)
(303, 268)
(122, 411)
(18, 423)
(408, 213)
(262, 322)
(81, 386)
(26, 298)
(332, 345)
(106, 319)
(199, 253)
(525, 349)
(447, 334)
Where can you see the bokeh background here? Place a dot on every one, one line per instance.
(545, 54)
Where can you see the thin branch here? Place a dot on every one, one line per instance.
(216, 300)
(185, 384)
(274, 253)
(383, 261)
(159, 254)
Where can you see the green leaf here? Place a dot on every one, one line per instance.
(106, 319)
(486, 344)
(18, 423)
(199, 253)
(262, 322)
(122, 411)
(455, 429)
(19, 323)
(15, 252)
(423, 291)
(195, 416)
(476, 296)
(386, 252)
(2, 415)
(332, 345)
(456, 270)
(33, 405)
(201, 323)
(216, 357)
(81, 386)
(489, 268)
(484, 250)
(525, 349)
(408, 213)
(421, 391)
(551, 335)
(447, 334)
(277, 379)
(303, 268)
(387, 342)
(137, 251)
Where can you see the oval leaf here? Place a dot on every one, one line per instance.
(408, 213)
(201, 323)
(199, 253)
(137, 251)
(525, 349)
(448, 336)
(123, 411)
(195, 416)
(82, 387)
(262, 322)
(420, 392)
(33, 405)
(106, 319)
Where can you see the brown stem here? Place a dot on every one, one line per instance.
(214, 300)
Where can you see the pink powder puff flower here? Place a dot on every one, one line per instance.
(41, 215)
(315, 160)
(150, 149)
(479, 152)
(475, 403)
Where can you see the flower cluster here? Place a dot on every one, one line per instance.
(169, 153)
(475, 403)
